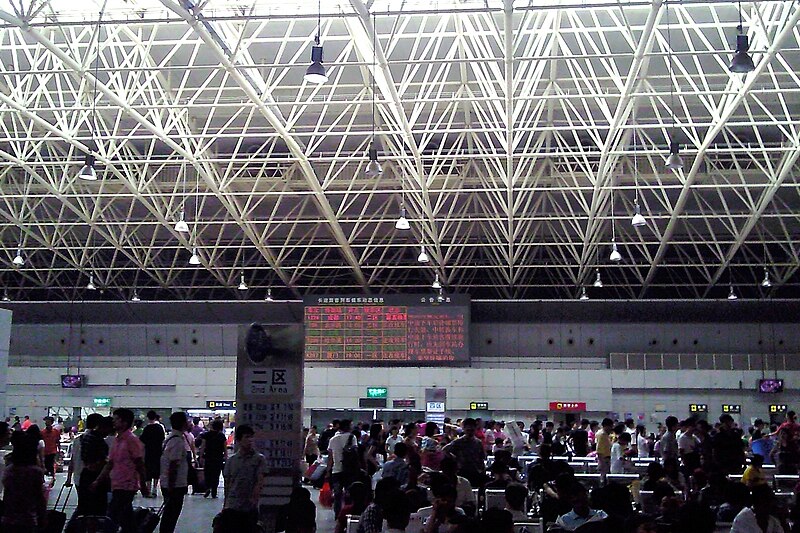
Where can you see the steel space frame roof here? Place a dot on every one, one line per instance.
(517, 134)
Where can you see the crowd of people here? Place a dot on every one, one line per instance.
(430, 480)
(420, 477)
(114, 458)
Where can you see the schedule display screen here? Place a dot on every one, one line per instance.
(396, 329)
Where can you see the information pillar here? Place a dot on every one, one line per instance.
(269, 393)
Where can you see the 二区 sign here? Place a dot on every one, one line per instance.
(568, 406)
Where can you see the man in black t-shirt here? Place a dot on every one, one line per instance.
(152, 437)
(579, 438)
(325, 436)
(214, 451)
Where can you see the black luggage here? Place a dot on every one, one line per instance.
(147, 518)
(91, 524)
(57, 519)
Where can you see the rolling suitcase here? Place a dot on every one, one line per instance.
(57, 519)
(147, 518)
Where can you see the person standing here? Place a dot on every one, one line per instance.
(603, 442)
(94, 456)
(153, 436)
(469, 453)
(25, 505)
(174, 473)
(311, 449)
(52, 440)
(344, 438)
(214, 451)
(125, 468)
(26, 423)
(5, 440)
(245, 472)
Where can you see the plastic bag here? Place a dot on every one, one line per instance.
(326, 495)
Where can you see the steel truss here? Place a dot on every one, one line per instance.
(506, 128)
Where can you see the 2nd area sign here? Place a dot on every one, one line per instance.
(577, 407)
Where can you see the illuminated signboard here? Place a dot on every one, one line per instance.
(479, 406)
(698, 408)
(731, 408)
(393, 329)
(221, 404)
(409, 403)
(372, 403)
(777, 408)
(568, 406)
(101, 402)
(377, 392)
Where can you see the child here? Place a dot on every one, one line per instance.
(753, 475)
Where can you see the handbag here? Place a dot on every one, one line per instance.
(326, 495)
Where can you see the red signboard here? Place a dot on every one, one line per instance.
(568, 406)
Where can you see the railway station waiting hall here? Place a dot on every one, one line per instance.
(347, 266)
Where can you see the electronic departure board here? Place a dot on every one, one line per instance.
(396, 329)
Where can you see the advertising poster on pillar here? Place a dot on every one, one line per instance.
(269, 392)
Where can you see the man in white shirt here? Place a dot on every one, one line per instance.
(689, 448)
(174, 472)
(336, 447)
(751, 519)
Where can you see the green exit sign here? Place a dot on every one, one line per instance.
(377, 392)
(102, 402)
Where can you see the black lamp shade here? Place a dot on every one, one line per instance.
(315, 73)
(742, 63)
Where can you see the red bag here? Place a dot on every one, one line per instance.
(326, 495)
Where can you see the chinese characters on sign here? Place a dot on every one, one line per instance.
(698, 408)
(269, 389)
(359, 330)
(777, 408)
(731, 408)
(568, 406)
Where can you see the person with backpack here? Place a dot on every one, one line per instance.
(174, 472)
(344, 461)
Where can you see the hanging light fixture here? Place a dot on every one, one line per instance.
(90, 286)
(638, 220)
(741, 63)
(732, 295)
(135, 297)
(6, 297)
(423, 256)
(374, 168)
(269, 295)
(615, 256)
(597, 281)
(584, 296)
(674, 161)
(88, 172)
(402, 221)
(315, 73)
(194, 260)
(436, 285)
(242, 284)
(18, 259)
(181, 226)
(766, 283)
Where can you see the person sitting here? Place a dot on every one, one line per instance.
(581, 513)
(396, 513)
(757, 517)
(445, 516)
(497, 521)
(544, 469)
(557, 499)
(371, 520)
(736, 498)
(713, 494)
(753, 474)
(669, 516)
(397, 467)
(357, 498)
(515, 495)
(300, 514)
(500, 480)
(466, 498)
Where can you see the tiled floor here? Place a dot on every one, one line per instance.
(198, 512)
